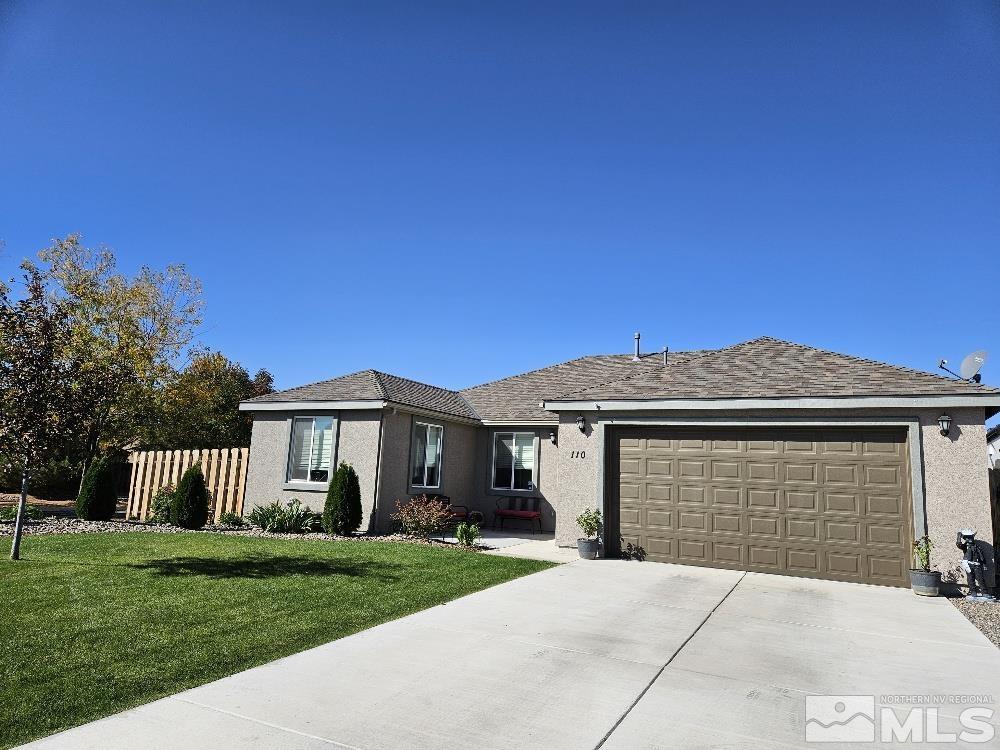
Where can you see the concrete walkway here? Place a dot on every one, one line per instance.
(587, 655)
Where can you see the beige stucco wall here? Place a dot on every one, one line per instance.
(457, 461)
(953, 472)
(484, 498)
(357, 444)
(956, 485)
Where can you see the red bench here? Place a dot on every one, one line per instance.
(518, 509)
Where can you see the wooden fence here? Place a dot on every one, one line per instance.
(225, 472)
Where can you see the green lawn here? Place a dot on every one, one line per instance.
(91, 624)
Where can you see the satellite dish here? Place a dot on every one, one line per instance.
(971, 366)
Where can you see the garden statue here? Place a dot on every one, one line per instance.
(974, 565)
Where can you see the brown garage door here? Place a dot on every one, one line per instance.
(823, 503)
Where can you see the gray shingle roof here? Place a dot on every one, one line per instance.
(518, 397)
(770, 368)
(762, 368)
(372, 385)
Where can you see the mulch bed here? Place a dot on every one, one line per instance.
(55, 525)
(984, 615)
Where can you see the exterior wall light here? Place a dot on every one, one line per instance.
(944, 422)
(581, 423)
(552, 437)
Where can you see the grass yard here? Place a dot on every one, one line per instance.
(91, 624)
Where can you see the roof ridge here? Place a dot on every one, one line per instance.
(900, 368)
(380, 388)
(693, 354)
(411, 380)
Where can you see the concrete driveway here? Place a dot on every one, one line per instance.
(587, 655)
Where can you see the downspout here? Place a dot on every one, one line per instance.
(374, 520)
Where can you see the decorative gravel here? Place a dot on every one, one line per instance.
(984, 615)
(56, 525)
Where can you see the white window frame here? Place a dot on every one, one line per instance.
(312, 436)
(534, 466)
(440, 458)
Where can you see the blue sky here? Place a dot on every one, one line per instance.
(456, 192)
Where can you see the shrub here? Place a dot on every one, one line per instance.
(589, 522)
(292, 518)
(189, 509)
(467, 534)
(421, 516)
(31, 513)
(230, 519)
(98, 498)
(342, 511)
(160, 505)
(922, 553)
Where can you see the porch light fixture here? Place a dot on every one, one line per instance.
(944, 422)
(581, 423)
(552, 437)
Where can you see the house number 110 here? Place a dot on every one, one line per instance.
(578, 454)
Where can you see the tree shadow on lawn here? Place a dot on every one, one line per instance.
(265, 566)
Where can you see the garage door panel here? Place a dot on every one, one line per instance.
(843, 532)
(762, 471)
(727, 553)
(889, 569)
(728, 523)
(763, 557)
(660, 493)
(693, 550)
(659, 518)
(819, 502)
(659, 467)
(726, 496)
(725, 470)
(843, 502)
(800, 529)
(758, 498)
(891, 534)
(694, 495)
(800, 472)
(764, 526)
(630, 466)
(802, 560)
(692, 521)
(882, 476)
(799, 501)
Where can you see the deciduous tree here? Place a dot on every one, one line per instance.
(199, 406)
(40, 389)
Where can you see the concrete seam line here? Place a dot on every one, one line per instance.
(266, 723)
(673, 656)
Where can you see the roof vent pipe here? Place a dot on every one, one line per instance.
(635, 357)
(666, 349)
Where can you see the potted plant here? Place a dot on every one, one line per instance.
(590, 524)
(923, 580)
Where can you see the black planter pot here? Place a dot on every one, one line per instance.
(587, 548)
(925, 582)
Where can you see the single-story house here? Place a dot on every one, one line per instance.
(764, 456)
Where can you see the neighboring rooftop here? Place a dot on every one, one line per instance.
(770, 368)
(372, 385)
(761, 368)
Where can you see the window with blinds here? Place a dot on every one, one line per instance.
(311, 452)
(514, 461)
(425, 458)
